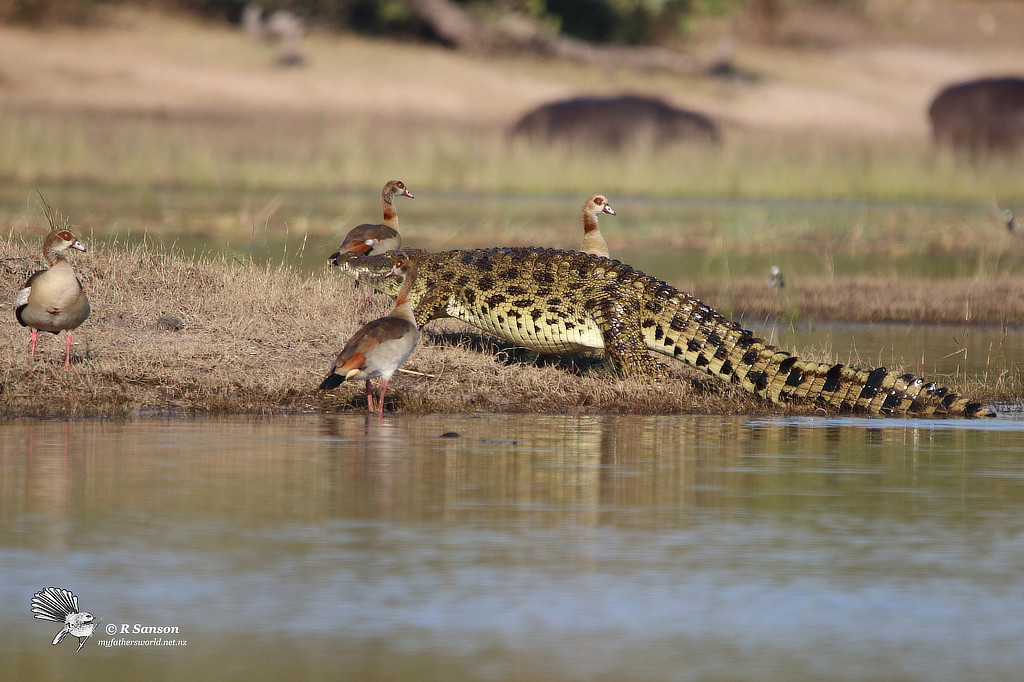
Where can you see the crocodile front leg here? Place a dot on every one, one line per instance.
(432, 305)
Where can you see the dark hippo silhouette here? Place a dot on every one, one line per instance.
(980, 117)
(613, 122)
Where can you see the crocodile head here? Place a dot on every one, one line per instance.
(371, 270)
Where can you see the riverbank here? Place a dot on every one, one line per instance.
(171, 334)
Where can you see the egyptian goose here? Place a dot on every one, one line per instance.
(53, 299)
(380, 347)
(371, 240)
(593, 242)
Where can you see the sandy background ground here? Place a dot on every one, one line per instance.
(869, 74)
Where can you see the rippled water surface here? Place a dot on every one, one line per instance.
(528, 547)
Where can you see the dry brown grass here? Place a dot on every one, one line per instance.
(257, 339)
(249, 335)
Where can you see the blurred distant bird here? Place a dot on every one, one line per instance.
(593, 241)
(380, 347)
(61, 606)
(281, 26)
(52, 299)
(775, 278)
(252, 20)
(1012, 224)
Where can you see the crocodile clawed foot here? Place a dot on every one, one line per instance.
(604, 369)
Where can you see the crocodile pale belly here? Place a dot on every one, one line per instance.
(546, 332)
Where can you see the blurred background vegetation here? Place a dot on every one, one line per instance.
(628, 22)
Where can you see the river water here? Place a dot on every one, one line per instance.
(503, 547)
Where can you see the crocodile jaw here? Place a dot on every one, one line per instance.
(369, 270)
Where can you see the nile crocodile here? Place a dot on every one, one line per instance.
(553, 301)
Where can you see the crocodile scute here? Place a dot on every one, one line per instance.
(554, 301)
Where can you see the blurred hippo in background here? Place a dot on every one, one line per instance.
(614, 122)
(980, 116)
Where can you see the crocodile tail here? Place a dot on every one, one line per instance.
(714, 344)
(782, 377)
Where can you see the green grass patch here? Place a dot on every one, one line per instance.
(234, 153)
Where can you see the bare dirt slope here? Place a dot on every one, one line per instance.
(867, 74)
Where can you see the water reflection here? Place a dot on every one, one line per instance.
(501, 547)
